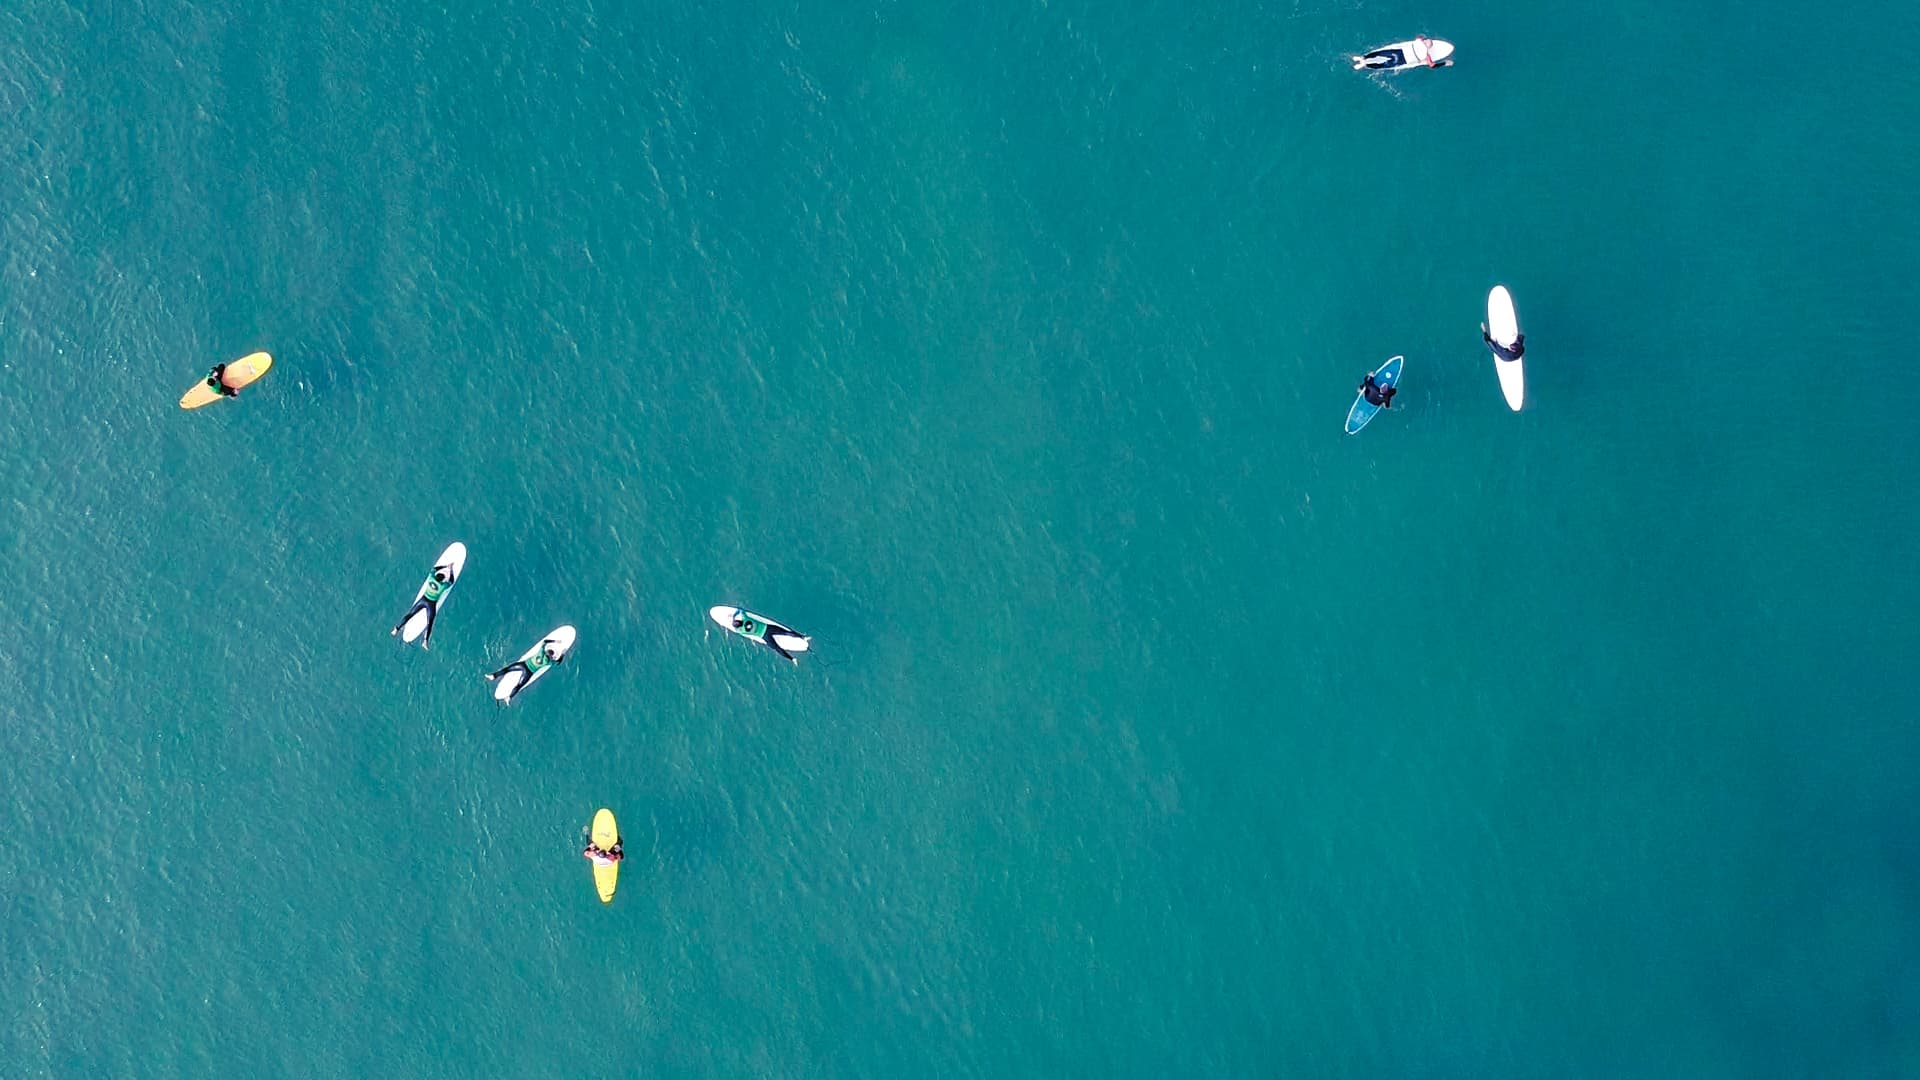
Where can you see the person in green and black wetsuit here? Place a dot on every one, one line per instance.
(216, 381)
(542, 658)
(762, 632)
(437, 587)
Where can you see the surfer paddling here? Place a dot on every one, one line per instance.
(1505, 352)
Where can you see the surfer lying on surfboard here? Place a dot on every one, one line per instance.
(541, 660)
(1423, 50)
(429, 602)
(745, 625)
(1376, 396)
(216, 381)
(611, 855)
(1505, 352)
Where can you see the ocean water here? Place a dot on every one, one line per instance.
(1154, 728)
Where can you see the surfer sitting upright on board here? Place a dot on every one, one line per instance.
(610, 855)
(1376, 396)
(216, 381)
(1504, 352)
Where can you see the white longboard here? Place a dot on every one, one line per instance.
(1503, 326)
(1420, 52)
(453, 560)
(785, 637)
(508, 686)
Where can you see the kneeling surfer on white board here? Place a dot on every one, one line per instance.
(1375, 395)
(216, 381)
(610, 855)
(541, 660)
(1505, 352)
(429, 602)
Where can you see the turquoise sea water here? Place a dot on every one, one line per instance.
(1155, 728)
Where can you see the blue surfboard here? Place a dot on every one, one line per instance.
(1385, 376)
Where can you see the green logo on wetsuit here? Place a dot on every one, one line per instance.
(436, 589)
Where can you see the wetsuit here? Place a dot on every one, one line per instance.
(1515, 352)
(533, 666)
(763, 632)
(430, 600)
(1383, 59)
(216, 381)
(612, 854)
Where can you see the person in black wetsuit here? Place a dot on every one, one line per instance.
(216, 381)
(1375, 395)
(1389, 59)
(1515, 352)
(612, 854)
(1382, 59)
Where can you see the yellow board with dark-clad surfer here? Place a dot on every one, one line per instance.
(605, 853)
(234, 376)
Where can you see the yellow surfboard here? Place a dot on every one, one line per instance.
(238, 374)
(606, 833)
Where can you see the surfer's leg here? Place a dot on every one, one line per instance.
(433, 612)
(402, 624)
(521, 664)
(768, 641)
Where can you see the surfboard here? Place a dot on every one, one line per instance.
(1386, 376)
(509, 686)
(606, 833)
(452, 560)
(1420, 52)
(759, 629)
(239, 374)
(1503, 326)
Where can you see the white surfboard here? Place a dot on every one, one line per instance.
(508, 686)
(786, 637)
(453, 560)
(1503, 326)
(1420, 52)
